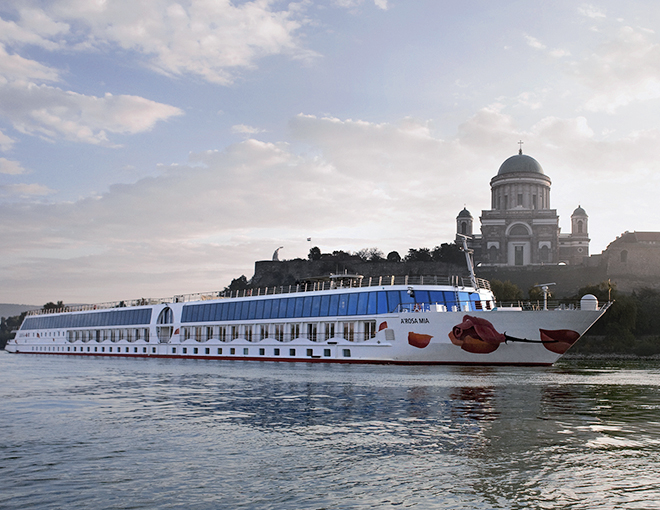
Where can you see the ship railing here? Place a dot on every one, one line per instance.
(538, 305)
(309, 286)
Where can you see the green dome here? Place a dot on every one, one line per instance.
(520, 163)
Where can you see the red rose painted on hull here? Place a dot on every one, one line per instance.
(476, 335)
(558, 340)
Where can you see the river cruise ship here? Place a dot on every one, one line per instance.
(337, 319)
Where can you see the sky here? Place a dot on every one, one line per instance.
(158, 147)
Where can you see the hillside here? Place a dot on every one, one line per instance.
(10, 310)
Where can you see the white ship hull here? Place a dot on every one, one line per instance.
(418, 333)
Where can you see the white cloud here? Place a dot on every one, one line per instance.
(211, 39)
(623, 70)
(15, 67)
(6, 142)
(591, 11)
(54, 113)
(10, 167)
(244, 129)
(24, 190)
(533, 42)
(353, 184)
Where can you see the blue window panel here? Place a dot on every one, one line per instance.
(299, 307)
(290, 307)
(372, 307)
(343, 304)
(422, 296)
(268, 303)
(185, 313)
(333, 307)
(435, 296)
(450, 300)
(252, 313)
(316, 306)
(393, 300)
(245, 308)
(282, 309)
(464, 298)
(307, 306)
(382, 302)
(206, 312)
(352, 304)
(363, 300)
(194, 312)
(324, 306)
(214, 311)
(230, 311)
(475, 297)
(406, 298)
(259, 310)
(224, 308)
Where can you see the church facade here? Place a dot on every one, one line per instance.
(520, 228)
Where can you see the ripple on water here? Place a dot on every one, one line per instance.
(129, 433)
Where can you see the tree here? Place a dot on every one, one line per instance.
(506, 291)
(421, 255)
(370, 254)
(53, 306)
(448, 253)
(393, 256)
(7, 326)
(239, 283)
(314, 253)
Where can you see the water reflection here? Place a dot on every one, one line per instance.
(181, 434)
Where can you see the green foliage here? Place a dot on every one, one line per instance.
(421, 255)
(370, 255)
(506, 291)
(631, 326)
(53, 306)
(314, 253)
(239, 283)
(393, 256)
(7, 326)
(448, 253)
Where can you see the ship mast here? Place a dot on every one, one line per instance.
(468, 260)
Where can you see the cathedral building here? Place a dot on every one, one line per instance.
(520, 228)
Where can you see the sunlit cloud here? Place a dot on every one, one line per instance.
(10, 167)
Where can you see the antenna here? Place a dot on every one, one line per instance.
(544, 288)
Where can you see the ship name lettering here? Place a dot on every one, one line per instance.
(415, 320)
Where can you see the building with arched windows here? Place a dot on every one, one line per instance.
(520, 228)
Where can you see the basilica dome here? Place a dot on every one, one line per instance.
(520, 163)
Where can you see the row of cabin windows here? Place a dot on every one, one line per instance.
(115, 317)
(245, 351)
(346, 353)
(315, 332)
(331, 305)
(109, 335)
(82, 348)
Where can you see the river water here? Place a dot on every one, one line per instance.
(109, 433)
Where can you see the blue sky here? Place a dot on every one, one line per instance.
(157, 147)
